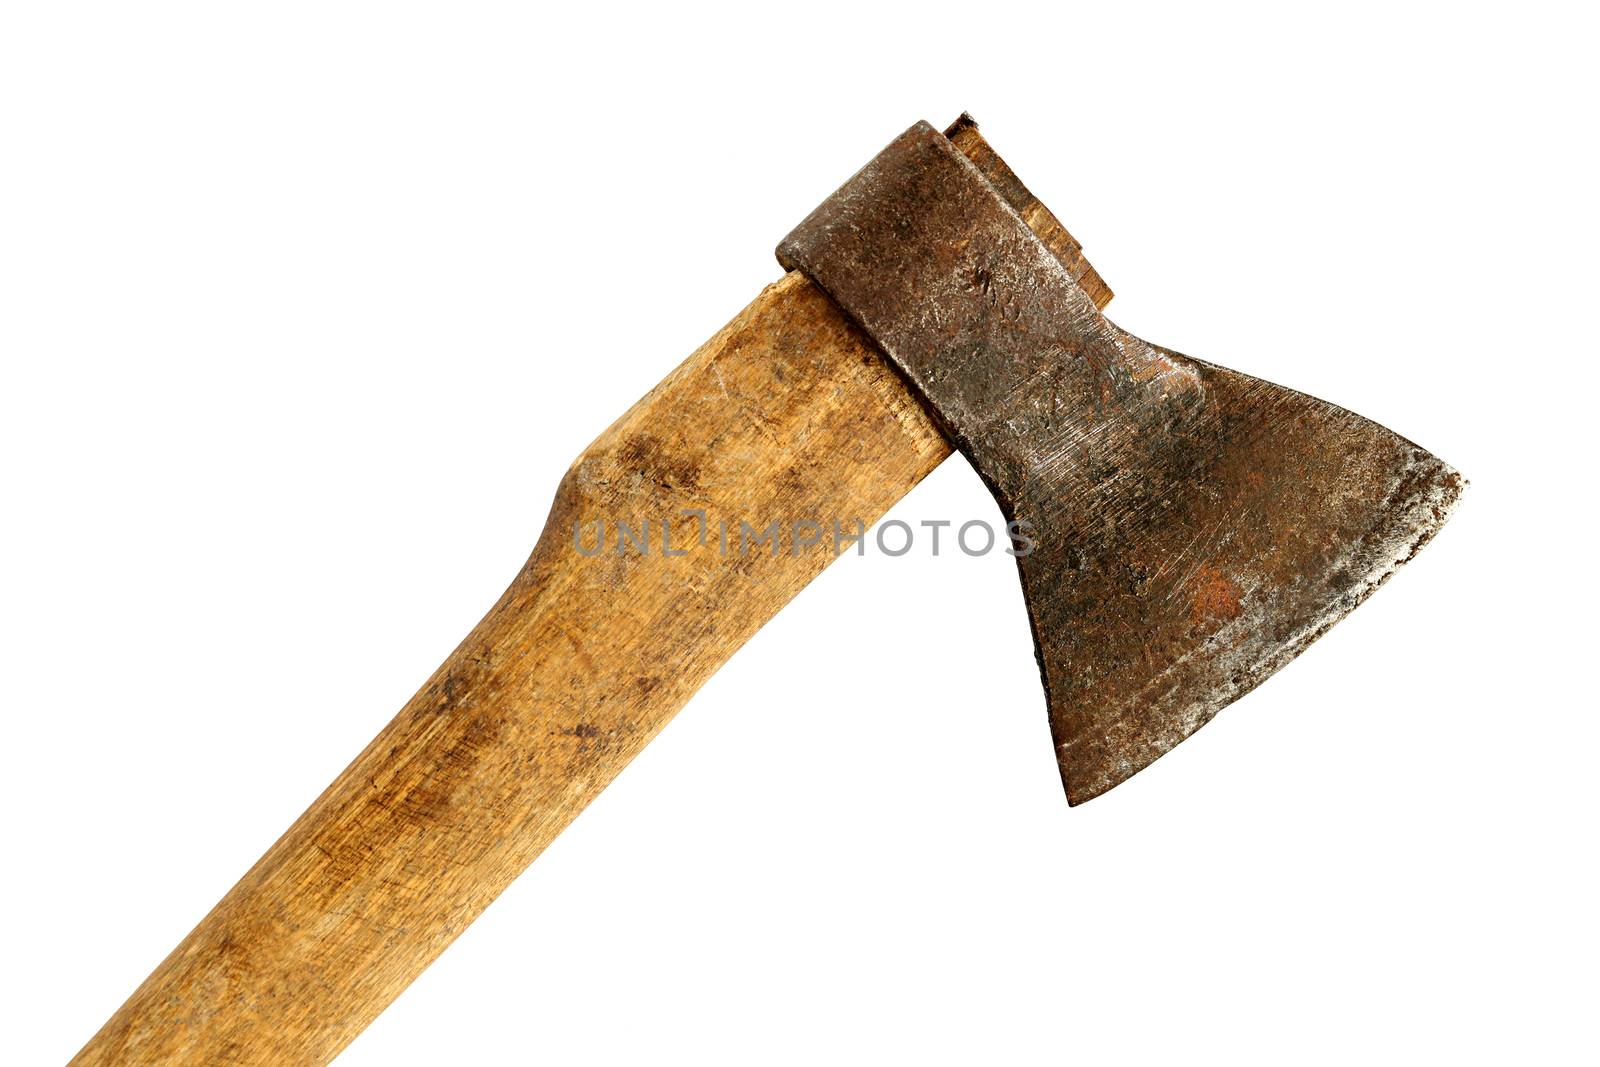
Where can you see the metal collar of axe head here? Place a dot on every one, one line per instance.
(1196, 528)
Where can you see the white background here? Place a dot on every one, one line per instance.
(304, 308)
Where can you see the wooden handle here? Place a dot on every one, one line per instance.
(788, 414)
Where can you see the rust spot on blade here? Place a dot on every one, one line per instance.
(1213, 596)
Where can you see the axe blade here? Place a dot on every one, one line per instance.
(1196, 528)
(1187, 555)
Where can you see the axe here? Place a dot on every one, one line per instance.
(1184, 531)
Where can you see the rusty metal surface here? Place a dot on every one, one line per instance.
(963, 133)
(1197, 528)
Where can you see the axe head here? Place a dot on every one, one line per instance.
(1195, 528)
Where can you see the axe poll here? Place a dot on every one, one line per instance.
(1195, 529)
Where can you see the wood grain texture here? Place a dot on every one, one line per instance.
(787, 414)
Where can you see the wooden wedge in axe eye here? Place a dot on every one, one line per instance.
(1191, 530)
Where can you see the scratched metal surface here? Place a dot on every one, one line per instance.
(1197, 528)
